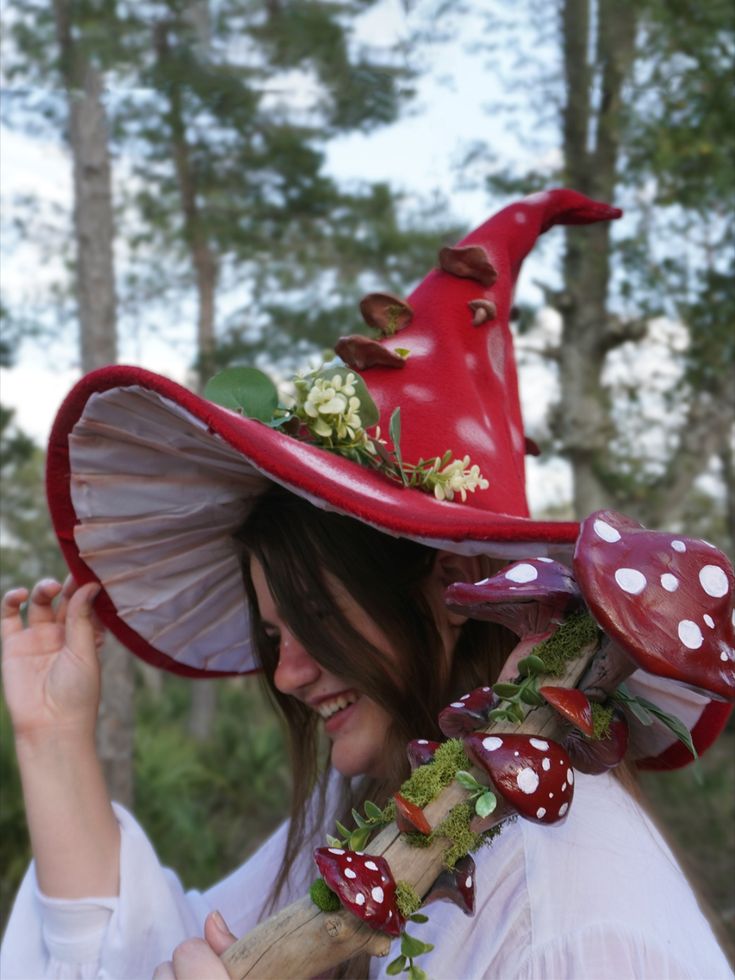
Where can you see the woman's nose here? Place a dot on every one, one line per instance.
(296, 667)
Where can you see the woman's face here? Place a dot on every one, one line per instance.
(356, 725)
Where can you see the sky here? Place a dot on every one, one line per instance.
(417, 155)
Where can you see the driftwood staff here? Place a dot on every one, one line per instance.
(301, 941)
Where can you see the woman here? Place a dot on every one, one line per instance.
(349, 625)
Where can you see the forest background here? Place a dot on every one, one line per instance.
(212, 219)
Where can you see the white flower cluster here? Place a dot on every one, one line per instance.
(330, 408)
(456, 477)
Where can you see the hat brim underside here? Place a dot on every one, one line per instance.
(147, 484)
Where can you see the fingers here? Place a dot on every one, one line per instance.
(164, 971)
(40, 604)
(10, 619)
(193, 960)
(80, 622)
(217, 934)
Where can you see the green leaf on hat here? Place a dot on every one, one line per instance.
(486, 804)
(246, 390)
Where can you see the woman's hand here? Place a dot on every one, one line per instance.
(50, 667)
(199, 959)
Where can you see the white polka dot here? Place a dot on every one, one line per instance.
(732, 617)
(606, 531)
(371, 866)
(348, 859)
(527, 781)
(709, 621)
(563, 809)
(679, 546)
(491, 743)
(541, 812)
(457, 704)
(549, 561)
(516, 754)
(539, 743)
(670, 582)
(546, 765)
(359, 899)
(349, 873)
(423, 741)
(570, 777)
(522, 573)
(486, 689)
(631, 580)
(551, 796)
(723, 656)
(464, 697)
(690, 634)
(377, 894)
(336, 850)
(713, 580)
(563, 787)
(468, 882)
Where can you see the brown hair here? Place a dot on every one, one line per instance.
(296, 543)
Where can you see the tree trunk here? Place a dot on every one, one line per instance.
(96, 299)
(591, 150)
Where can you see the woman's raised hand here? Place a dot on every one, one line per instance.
(50, 664)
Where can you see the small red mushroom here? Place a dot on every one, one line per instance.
(596, 755)
(364, 884)
(467, 713)
(666, 600)
(532, 774)
(420, 751)
(456, 885)
(410, 818)
(531, 598)
(572, 704)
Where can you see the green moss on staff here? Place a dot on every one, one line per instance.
(408, 899)
(426, 782)
(575, 633)
(323, 897)
(601, 719)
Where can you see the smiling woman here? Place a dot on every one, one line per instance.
(318, 543)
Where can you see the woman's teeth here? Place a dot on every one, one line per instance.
(328, 708)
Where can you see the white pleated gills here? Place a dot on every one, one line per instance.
(159, 497)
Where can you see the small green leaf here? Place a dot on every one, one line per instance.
(635, 705)
(516, 712)
(531, 665)
(530, 695)
(372, 811)
(674, 724)
(246, 390)
(410, 946)
(333, 841)
(360, 821)
(486, 804)
(506, 690)
(499, 714)
(396, 966)
(359, 838)
(416, 973)
(342, 829)
(403, 352)
(466, 780)
(418, 917)
(394, 430)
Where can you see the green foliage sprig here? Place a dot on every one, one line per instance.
(646, 712)
(365, 826)
(410, 949)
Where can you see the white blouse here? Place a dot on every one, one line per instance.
(600, 896)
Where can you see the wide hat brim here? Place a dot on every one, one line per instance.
(147, 483)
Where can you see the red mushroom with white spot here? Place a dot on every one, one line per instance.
(533, 775)
(420, 751)
(455, 885)
(664, 600)
(467, 713)
(364, 885)
(531, 598)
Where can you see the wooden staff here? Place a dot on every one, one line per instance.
(302, 941)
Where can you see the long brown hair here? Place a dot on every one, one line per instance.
(296, 544)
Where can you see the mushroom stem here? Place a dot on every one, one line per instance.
(503, 810)
(527, 645)
(609, 668)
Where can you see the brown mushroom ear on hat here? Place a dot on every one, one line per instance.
(666, 600)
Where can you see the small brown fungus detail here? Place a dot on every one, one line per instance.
(360, 352)
(468, 262)
(483, 310)
(385, 312)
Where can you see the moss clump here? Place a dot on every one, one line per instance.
(601, 719)
(408, 899)
(426, 782)
(323, 897)
(456, 827)
(573, 635)
(389, 812)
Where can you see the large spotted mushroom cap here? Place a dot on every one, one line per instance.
(533, 775)
(364, 884)
(528, 597)
(467, 713)
(665, 599)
